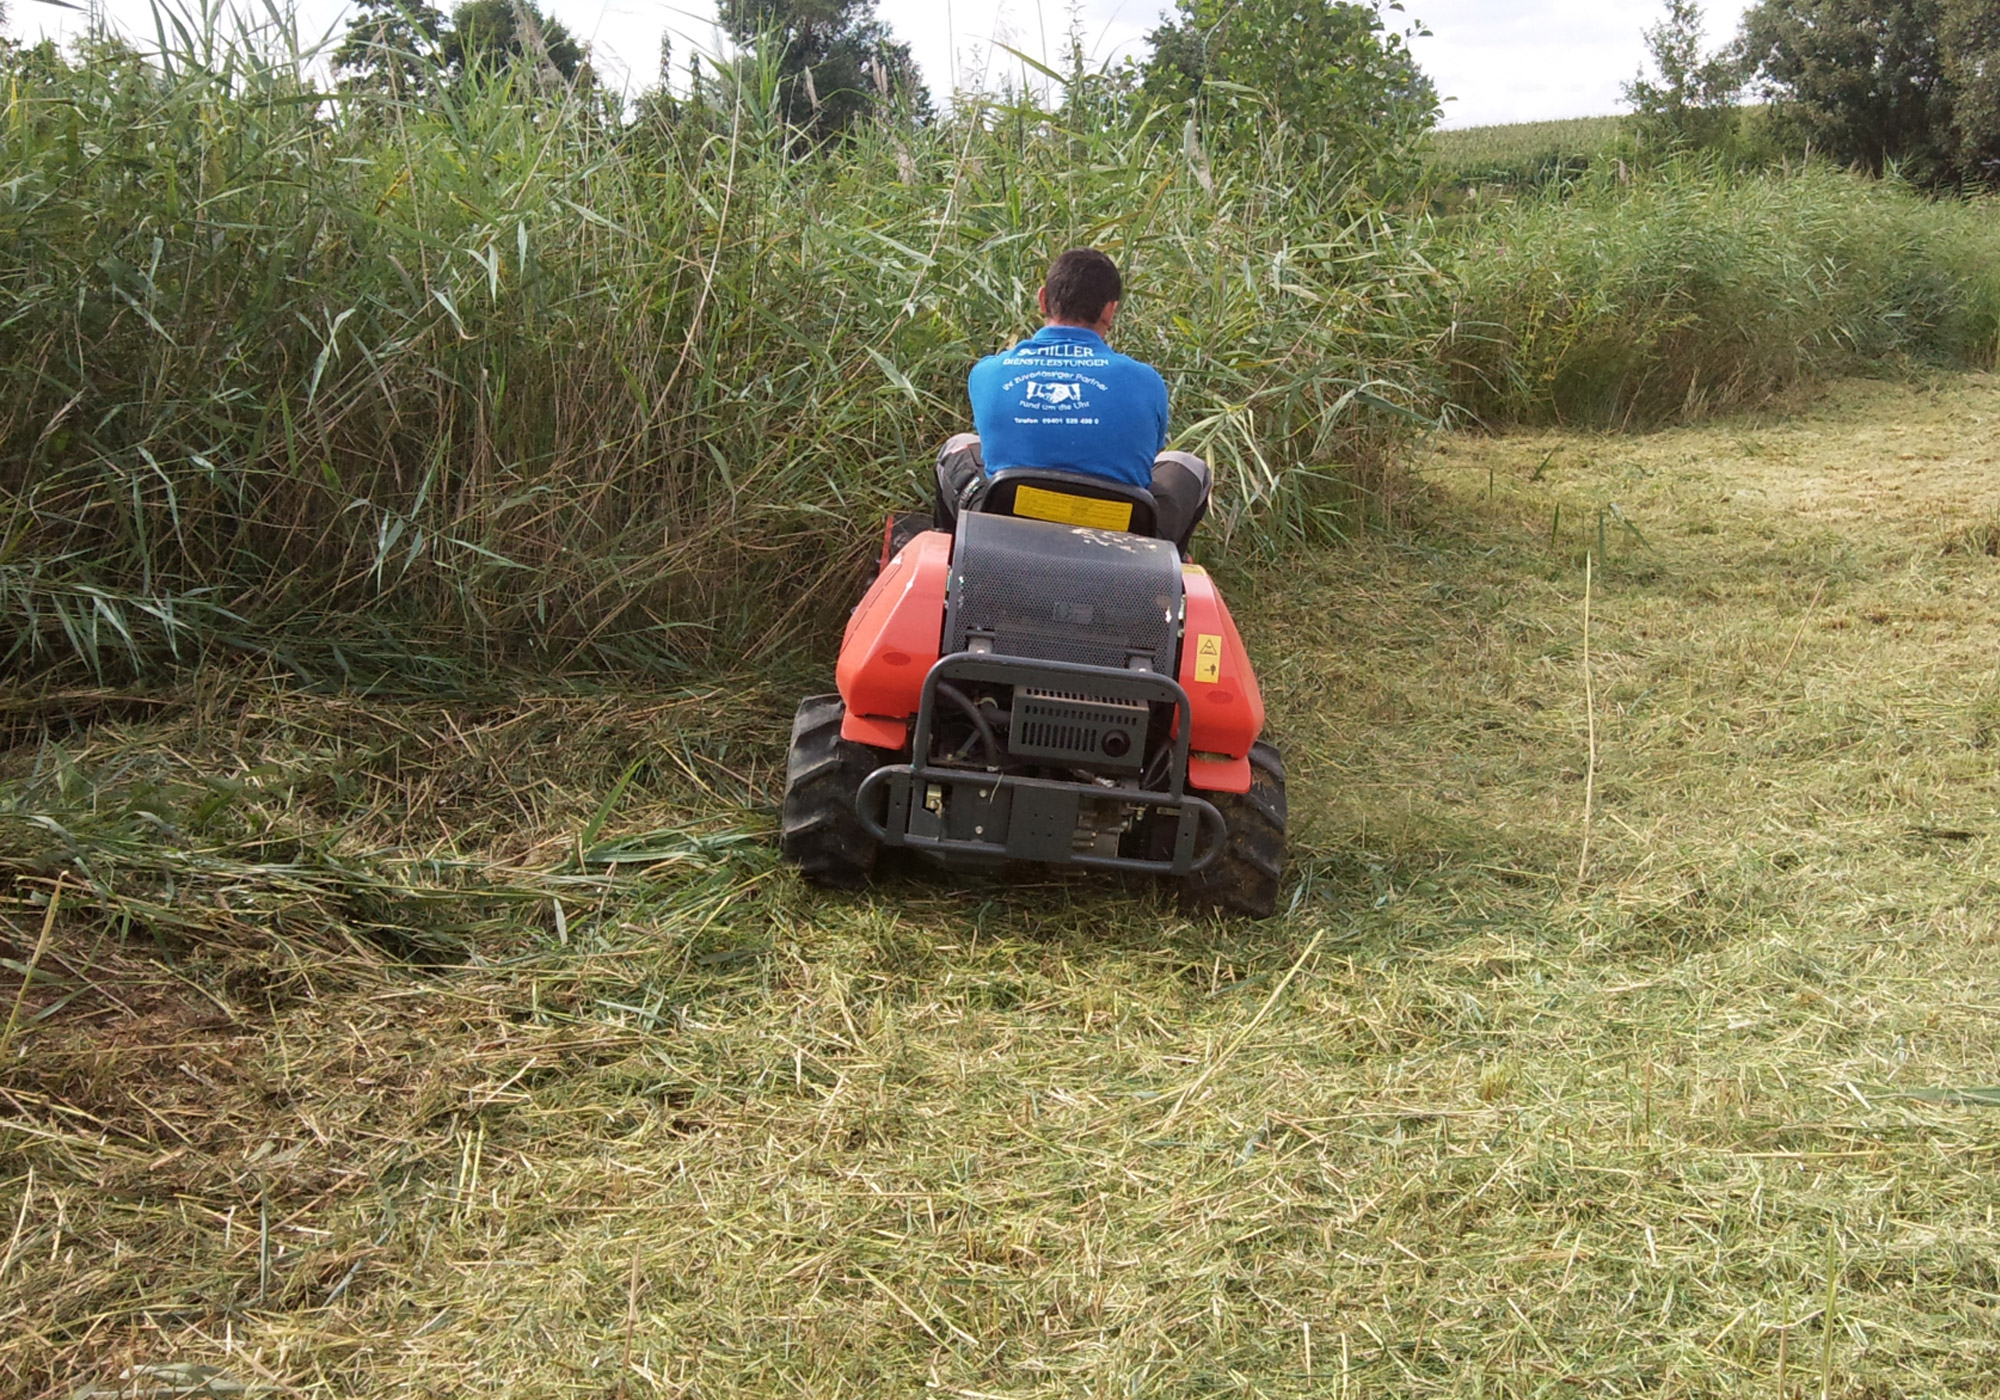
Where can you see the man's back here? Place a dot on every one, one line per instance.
(1065, 400)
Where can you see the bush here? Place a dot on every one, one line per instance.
(1908, 84)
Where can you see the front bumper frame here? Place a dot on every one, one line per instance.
(1035, 819)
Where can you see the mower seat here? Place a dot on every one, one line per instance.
(1070, 498)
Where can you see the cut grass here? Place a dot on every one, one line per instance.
(362, 1081)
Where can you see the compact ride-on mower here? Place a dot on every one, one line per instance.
(1048, 681)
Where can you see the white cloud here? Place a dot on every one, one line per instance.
(1532, 60)
(1501, 60)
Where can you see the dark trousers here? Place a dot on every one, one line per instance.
(1180, 487)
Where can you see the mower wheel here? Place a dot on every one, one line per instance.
(818, 830)
(1244, 878)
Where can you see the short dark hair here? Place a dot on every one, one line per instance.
(1080, 284)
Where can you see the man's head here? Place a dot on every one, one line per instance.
(1082, 289)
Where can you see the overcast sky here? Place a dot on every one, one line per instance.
(1498, 60)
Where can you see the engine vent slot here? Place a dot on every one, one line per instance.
(1058, 726)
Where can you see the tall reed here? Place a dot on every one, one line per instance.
(369, 386)
(335, 377)
(1693, 287)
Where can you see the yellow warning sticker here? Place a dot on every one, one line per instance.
(1064, 509)
(1208, 657)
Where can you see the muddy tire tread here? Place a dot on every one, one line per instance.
(818, 830)
(1244, 880)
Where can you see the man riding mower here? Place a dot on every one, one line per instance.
(1042, 676)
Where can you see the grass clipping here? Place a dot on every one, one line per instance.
(372, 1052)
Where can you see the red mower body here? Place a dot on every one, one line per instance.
(1047, 683)
(891, 643)
(1222, 689)
(894, 634)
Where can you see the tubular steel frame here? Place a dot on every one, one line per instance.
(903, 781)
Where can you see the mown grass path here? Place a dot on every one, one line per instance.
(1715, 1116)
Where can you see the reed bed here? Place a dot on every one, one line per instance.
(1691, 288)
(370, 387)
(398, 393)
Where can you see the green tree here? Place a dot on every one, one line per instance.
(405, 47)
(1693, 104)
(1331, 68)
(496, 34)
(1861, 80)
(392, 46)
(1971, 40)
(835, 62)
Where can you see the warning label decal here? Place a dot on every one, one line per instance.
(1208, 657)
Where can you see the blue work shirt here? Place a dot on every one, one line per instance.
(1063, 399)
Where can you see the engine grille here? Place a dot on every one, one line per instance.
(1068, 727)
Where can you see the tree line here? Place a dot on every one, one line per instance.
(1876, 84)
(1336, 69)
(1912, 85)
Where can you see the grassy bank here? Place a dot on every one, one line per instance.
(374, 1052)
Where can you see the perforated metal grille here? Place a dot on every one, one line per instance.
(1063, 592)
(1066, 726)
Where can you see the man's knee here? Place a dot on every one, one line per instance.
(1181, 485)
(1188, 473)
(961, 466)
(959, 462)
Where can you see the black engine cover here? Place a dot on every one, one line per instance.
(1063, 593)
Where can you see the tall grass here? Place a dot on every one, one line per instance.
(1693, 288)
(364, 386)
(329, 377)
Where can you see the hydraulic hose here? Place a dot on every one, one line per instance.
(979, 721)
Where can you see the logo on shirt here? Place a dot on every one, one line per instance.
(1052, 398)
(1058, 352)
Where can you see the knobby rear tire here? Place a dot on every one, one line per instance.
(818, 829)
(1243, 880)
